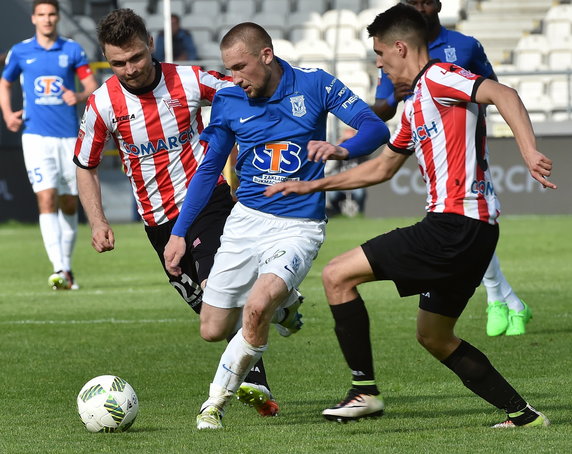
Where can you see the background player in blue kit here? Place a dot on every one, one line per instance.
(506, 312)
(277, 113)
(48, 65)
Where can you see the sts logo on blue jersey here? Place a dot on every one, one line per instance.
(277, 157)
(48, 89)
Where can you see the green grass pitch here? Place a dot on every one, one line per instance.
(126, 320)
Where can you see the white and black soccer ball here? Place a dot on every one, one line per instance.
(107, 404)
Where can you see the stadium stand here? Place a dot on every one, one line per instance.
(529, 42)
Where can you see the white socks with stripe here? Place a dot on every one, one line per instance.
(235, 363)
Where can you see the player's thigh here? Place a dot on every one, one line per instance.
(350, 268)
(67, 183)
(40, 158)
(234, 272)
(287, 247)
(267, 294)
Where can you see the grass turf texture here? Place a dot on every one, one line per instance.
(126, 320)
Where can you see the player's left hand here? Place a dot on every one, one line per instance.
(540, 167)
(289, 187)
(320, 150)
(69, 97)
(174, 251)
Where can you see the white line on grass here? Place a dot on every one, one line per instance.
(91, 322)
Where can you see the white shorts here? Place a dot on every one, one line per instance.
(255, 243)
(49, 162)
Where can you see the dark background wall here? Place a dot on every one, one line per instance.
(404, 195)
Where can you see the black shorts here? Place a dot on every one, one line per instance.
(203, 240)
(443, 258)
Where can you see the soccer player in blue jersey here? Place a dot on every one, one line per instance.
(47, 65)
(277, 114)
(506, 312)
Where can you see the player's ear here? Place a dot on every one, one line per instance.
(267, 55)
(401, 47)
(151, 43)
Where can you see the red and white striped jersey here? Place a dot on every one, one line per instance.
(156, 133)
(445, 128)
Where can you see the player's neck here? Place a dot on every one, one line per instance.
(275, 77)
(46, 41)
(418, 62)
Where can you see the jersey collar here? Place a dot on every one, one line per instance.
(58, 44)
(425, 68)
(149, 88)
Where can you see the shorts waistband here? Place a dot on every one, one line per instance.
(260, 214)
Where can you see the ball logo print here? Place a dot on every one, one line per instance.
(107, 404)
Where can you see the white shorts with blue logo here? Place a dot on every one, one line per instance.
(49, 162)
(255, 243)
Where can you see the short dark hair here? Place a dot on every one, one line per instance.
(400, 22)
(120, 27)
(54, 3)
(252, 35)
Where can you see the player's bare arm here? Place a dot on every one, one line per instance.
(13, 119)
(371, 172)
(102, 238)
(512, 109)
(174, 251)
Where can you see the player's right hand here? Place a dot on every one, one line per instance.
(174, 251)
(289, 187)
(102, 238)
(14, 120)
(401, 90)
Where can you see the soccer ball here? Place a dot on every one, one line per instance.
(107, 404)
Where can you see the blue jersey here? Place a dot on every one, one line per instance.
(43, 74)
(449, 47)
(272, 136)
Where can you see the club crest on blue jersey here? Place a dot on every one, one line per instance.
(450, 54)
(277, 157)
(298, 106)
(63, 60)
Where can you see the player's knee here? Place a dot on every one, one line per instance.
(333, 275)
(435, 345)
(212, 333)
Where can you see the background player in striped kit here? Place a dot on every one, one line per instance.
(506, 312)
(443, 257)
(152, 111)
(48, 64)
(277, 113)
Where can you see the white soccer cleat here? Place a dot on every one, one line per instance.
(355, 406)
(209, 418)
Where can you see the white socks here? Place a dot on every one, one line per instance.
(68, 226)
(51, 234)
(235, 363)
(59, 232)
(498, 288)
